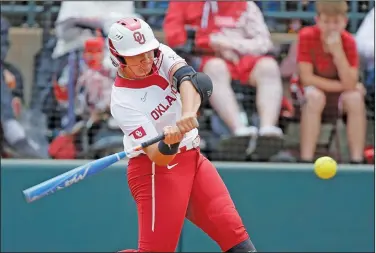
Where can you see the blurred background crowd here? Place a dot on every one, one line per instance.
(56, 78)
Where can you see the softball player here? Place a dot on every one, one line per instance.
(155, 91)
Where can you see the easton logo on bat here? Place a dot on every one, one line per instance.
(65, 183)
(75, 179)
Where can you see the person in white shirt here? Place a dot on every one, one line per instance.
(156, 92)
(365, 40)
(365, 36)
(71, 37)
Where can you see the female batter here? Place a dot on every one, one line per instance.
(156, 92)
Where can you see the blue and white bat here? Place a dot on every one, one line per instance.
(80, 173)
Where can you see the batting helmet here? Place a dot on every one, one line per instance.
(129, 37)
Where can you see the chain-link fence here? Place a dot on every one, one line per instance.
(59, 100)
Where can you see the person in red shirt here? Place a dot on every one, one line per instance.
(328, 69)
(234, 41)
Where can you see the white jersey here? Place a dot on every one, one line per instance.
(142, 108)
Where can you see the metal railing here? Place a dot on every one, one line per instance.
(30, 11)
(34, 9)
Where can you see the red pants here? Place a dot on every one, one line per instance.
(192, 189)
(240, 71)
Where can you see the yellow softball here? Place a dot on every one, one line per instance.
(325, 167)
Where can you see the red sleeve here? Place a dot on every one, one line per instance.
(349, 46)
(304, 46)
(173, 25)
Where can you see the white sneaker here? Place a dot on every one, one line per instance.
(246, 131)
(271, 131)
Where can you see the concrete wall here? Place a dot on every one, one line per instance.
(286, 208)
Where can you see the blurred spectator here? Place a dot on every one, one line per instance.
(73, 27)
(365, 38)
(88, 14)
(13, 132)
(94, 85)
(296, 24)
(234, 42)
(328, 69)
(13, 79)
(92, 99)
(15, 135)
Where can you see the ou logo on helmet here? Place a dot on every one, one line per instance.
(139, 37)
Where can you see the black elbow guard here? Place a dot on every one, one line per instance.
(203, 85)
(200, 81)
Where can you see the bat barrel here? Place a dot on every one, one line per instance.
(47, 187)
(70, 177)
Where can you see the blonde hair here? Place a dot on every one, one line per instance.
(331, 7)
